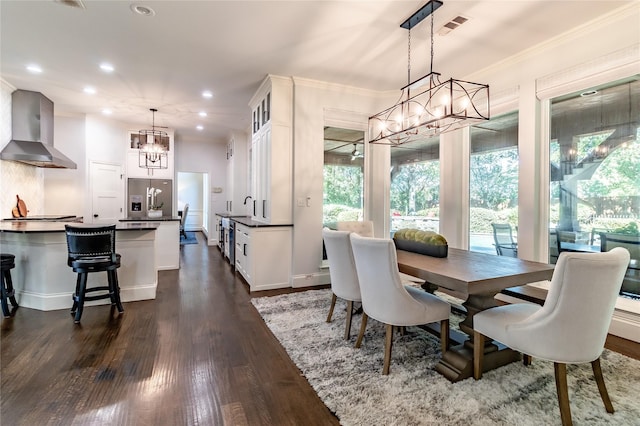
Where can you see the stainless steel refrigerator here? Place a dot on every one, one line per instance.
(142, 192)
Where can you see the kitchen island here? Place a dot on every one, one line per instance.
(43, 280)
(167, 239)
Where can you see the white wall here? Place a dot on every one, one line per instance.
(64, 189)
(313, 101)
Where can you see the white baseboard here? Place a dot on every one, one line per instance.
(310, 280)
(52, 302)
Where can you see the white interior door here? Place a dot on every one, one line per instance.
(107, 192)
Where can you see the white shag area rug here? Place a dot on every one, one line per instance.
(350, 381)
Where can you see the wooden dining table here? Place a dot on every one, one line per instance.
(476, 278)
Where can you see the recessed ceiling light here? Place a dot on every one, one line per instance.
(89, 90)
(207, 94)
(107, 111)
(34, 69)
(588, 93)
(142, 10)
(202, 114)
(106, 67)
(199, 127)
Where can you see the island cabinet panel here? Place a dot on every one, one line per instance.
(271, 152)
(263, 256)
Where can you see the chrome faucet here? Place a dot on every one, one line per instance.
(246, 198)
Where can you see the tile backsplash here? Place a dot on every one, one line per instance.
(25, 181)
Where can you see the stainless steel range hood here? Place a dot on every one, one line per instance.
(32, 132)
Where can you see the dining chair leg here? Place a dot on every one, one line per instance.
(363, 327)
(562, 388)
(333, 305)
(444, 335)
(388, 344)
(347, 331)
(527, 359)
(597, 372)
(478, 354)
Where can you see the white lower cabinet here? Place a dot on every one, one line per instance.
(263, 256)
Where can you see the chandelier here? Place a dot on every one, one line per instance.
(154, 146)
(428, 107)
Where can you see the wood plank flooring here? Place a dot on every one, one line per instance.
(198, 354)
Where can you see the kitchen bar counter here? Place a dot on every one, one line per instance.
(229, 215)
(151, 219)
(43, 280)
(247, 221)
(28, 226)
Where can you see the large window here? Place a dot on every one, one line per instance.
(493, 185)
(415, 185)
(343, 175)
(594, 153)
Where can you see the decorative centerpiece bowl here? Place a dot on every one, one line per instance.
(423, 242)
(154, 213)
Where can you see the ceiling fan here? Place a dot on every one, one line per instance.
(356, 153)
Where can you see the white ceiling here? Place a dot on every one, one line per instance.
(228, 47)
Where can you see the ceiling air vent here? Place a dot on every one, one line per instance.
(452, 25)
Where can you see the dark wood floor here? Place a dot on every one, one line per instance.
(198, 354)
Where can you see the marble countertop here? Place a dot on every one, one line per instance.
(45, 226)
(229, 215)
(247, 221)
(150, 219)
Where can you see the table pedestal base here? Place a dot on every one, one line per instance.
(457, 363)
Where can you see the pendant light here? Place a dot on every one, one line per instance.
(154, 147)
(428, 107)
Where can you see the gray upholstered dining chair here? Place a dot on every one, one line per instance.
(571, 326)
(386, 299)
(183, 220)
(503, 240)
(342, 271)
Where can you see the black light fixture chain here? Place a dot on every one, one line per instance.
(431, 64)
(409, 58)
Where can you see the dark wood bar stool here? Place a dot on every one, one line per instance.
(8, 263)
(93, 249)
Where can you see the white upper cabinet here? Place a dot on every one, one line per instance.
(271, 151)
(236, 175)
(133, 158)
